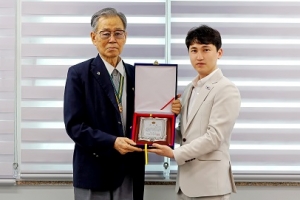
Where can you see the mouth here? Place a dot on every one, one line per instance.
(112, 48)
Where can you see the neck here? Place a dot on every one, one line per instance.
(113, 61)
(204, 75)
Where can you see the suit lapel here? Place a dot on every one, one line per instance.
(185, 106)
(100, 73)
(203, 93)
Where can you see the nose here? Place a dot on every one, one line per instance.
(112, 38)
(199, 56)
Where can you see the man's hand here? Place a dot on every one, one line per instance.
(124, 145)
(162, 150)
(176, 105)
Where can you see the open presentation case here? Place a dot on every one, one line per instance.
(155, 89)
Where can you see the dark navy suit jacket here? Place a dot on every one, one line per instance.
(93, 122)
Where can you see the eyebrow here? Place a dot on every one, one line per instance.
(204, 46)
(117, 29)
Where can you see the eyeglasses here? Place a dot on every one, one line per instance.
(119, 34)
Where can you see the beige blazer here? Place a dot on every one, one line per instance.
(203, 159)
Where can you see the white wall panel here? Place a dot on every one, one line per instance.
(261, 46)
(55, 35)
(33, 92)
(7, 87)
(261, 56)
(44, 135)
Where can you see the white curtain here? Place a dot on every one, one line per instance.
(7, 89)
(55, 35)
(261, 56)
(261, 42)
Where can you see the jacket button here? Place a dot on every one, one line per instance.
(184, 140)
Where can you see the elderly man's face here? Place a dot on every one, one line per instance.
(109, 48)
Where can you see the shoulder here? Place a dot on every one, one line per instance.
(130, 71)
(226, 82)
(82, 66)
(225, 88)
(129, 67)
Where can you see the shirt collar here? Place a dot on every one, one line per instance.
(196, 82)
(110, 68)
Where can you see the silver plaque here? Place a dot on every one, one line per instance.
(153, 129)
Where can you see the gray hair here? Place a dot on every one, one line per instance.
(107, 12)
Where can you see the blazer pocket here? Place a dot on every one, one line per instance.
(215, 155)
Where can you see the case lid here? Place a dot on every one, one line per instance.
(155, 87)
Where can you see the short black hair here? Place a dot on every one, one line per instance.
(203, 35)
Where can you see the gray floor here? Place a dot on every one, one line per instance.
(152, 192)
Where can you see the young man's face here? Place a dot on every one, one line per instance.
(204, 58)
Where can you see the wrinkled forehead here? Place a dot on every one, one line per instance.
(110, 23)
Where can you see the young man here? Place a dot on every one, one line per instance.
(98, 112)
(210, 107)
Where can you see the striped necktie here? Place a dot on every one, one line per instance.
(115, 76)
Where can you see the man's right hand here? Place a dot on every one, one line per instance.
(124, 145)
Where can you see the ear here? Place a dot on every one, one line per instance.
(220, 53)
(93, 37)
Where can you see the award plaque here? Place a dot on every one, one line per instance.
(155, 89)
(153, 129)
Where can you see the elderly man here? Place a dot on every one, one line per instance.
(98, 112)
